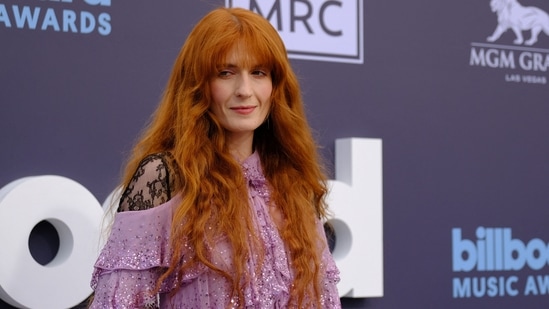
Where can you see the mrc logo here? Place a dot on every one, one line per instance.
(314, 29)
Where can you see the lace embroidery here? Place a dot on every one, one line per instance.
(151, 185)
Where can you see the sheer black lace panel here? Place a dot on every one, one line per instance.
(151, 185)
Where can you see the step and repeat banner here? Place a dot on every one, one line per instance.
(433, 117)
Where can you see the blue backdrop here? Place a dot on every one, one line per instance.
(462, 111)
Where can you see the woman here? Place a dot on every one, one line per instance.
(224, 195)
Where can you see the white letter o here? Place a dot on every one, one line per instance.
(76, 215)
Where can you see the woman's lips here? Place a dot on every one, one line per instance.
(243, 110)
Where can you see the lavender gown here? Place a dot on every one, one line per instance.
(138, 249)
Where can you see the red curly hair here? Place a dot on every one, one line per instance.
(212, 185)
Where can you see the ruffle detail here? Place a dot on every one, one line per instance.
(272, 288)
(139, 240)
(251, 167)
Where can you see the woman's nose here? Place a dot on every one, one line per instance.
(243, 86)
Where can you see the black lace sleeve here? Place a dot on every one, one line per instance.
(150, 186)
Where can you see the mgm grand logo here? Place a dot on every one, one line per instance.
(524, 60)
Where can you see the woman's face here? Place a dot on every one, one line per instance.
(241, 93)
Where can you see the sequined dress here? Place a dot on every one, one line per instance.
(138, 250)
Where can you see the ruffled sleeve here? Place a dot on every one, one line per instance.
(133, 258)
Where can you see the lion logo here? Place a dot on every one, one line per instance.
(512, 15)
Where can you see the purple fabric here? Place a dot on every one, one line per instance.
(138, 250)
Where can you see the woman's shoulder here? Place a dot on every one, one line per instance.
(153, 183)
(146, 232)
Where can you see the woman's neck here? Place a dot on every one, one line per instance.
(240, 145)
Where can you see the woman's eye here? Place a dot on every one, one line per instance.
(224, 73)
(260, 73)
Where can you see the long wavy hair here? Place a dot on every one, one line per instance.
(213, 190)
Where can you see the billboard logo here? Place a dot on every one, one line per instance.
(495, 250)
(98, 2)
(59, 16)
(314, 29)
(90, 2)
(512, 15)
